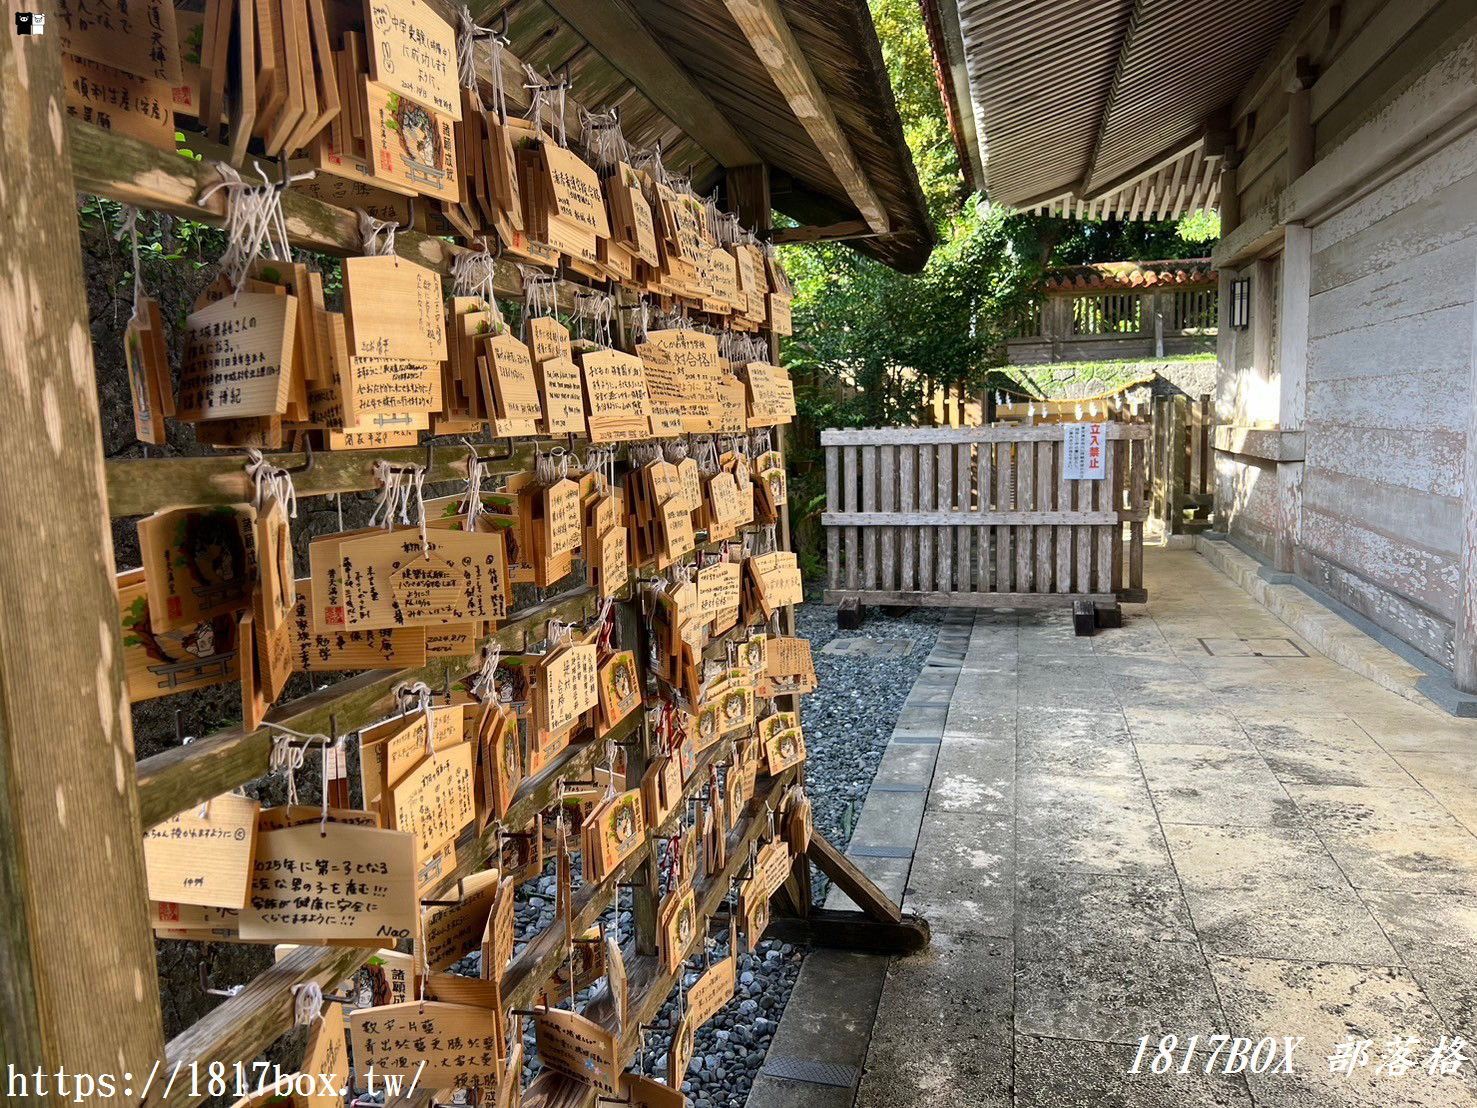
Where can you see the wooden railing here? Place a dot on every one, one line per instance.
(982, 516)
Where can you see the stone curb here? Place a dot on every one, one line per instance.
(826, 1028)
(1331, 635)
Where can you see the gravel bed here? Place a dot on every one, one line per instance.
(848, 721)
(849, 718)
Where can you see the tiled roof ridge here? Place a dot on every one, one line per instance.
(1128, 275)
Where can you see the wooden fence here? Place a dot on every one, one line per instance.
(1182, 463)
(1181, 459)
(981, 516)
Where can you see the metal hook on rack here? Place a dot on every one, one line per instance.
(307, 463)
(492, 440)
(208, 990)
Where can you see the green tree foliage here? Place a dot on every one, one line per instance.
(870, 342)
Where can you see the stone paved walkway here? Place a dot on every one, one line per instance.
(1193, 825)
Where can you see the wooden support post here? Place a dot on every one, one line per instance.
(852, 881)
(644, 898)
(1230, 193)
(77, 982)
(1159, 456)
(1299, 118)
(1292, 391)
(1177, 462)
(748, 194)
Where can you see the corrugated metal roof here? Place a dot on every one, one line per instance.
(1100, 106)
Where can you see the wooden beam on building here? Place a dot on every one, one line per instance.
(764, 25)
(836, 232)
(619, 35)
(78, 986)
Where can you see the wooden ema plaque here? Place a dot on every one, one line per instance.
(568, 687)
(511, 389)
(448, 933)
(575, 190)
(412, 51)
(579, 1048)
(613, 833)
(138, 38)
(497, 935)
(620, 688)
(562, 391)
(502, 760)
(392, 579)
(789, 667)
(157, 663)
(238, 358)
(785, 749)
(203, 856)
(198, 563)
(338, 649)
(434, 801)
(390, 750)
(713, 990)
(691, 357)
(119, 101)
(615, 384)
(394, 310)
(298, 878)
(445, 1045)
(150, 380)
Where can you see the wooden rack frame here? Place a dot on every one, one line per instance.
(77, 961)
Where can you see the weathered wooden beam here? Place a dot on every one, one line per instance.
(764, 25)
(241, 1027)
(924, 599)
(141, 486)
(78, 986)
(120, 168)
(619, 35)
(176, 779)
(835, 232)
(854, 931)
(853, 882)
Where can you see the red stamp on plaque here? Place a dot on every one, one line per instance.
(334, 617)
